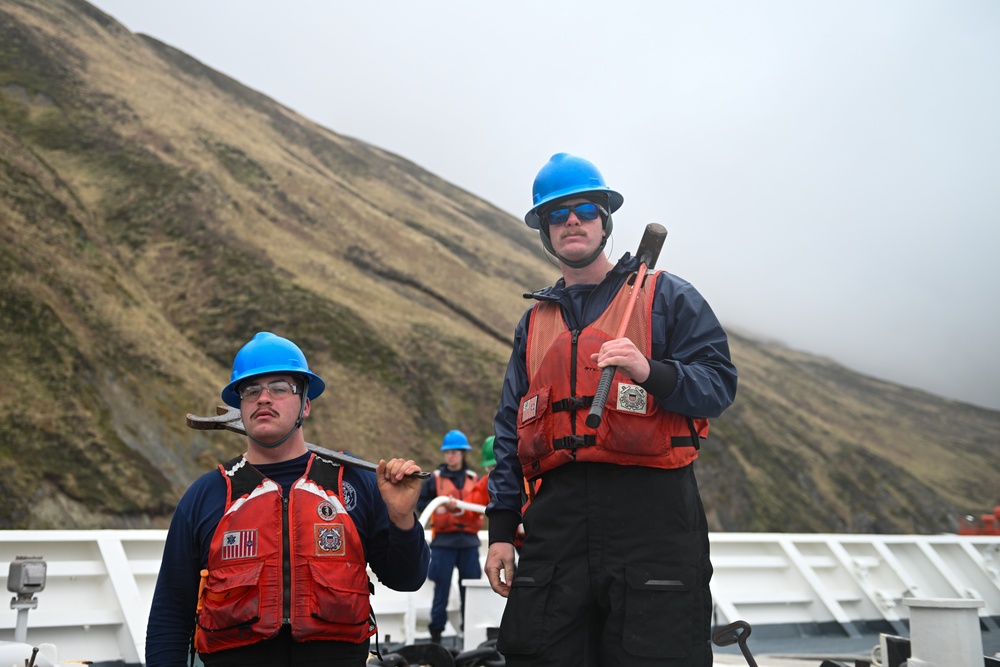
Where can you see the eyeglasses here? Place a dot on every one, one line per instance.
(277, 389)
(585, 211)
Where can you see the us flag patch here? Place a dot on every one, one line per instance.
(239, 544)
(529, 409)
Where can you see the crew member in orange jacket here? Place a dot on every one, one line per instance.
(455, 541)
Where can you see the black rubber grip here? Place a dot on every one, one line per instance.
(600, 396)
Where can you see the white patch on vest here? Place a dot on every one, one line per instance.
(350, 497)
(267, 486)
(529, 409)
(328, 497)
(631, 398)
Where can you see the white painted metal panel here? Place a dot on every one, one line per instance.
(97, 594)
(100, 584)
(848, 579)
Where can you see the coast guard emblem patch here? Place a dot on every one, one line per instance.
(239, 544)
(631, 398)
(329, 539)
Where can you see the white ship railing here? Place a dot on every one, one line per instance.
(849, 580)
(99, 586)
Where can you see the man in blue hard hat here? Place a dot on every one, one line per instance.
(615, 568)
(265, 560)
(455, 531)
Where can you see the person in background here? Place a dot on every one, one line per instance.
(480, 493)
(615, 567)
(454, 531)
(265, 559)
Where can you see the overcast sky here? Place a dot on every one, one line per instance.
(828, 171)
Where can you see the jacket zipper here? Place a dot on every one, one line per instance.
(286, 565)
(575, 333)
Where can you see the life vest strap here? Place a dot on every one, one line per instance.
(574, 442)
(573, 403)
(578, 441)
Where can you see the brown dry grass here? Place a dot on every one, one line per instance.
(156, 214)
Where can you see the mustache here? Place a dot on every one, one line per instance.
(572, 232)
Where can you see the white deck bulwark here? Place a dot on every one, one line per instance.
(100, 583)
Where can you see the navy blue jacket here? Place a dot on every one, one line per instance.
(398, 558)
(691, 372)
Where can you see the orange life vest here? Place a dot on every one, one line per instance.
(634, 430)
(463, 522)
(245, 598)
(530, 489)
(480, 493)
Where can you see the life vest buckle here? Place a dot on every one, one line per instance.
(573, 403)
(574, 442)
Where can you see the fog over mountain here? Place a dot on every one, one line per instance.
(827, 170)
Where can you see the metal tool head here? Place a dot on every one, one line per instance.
(230, 419)
(651, 244)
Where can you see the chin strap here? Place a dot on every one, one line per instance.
(298, 422)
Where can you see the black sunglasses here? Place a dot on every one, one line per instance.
(584, 211)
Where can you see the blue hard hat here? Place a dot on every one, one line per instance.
(455, 440)
(268, 354)
(563, 176)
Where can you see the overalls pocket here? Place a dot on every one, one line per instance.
(523, 624)
(660, 609)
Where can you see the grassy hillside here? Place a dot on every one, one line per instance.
(155, 214)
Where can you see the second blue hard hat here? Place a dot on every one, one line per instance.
(455, 440)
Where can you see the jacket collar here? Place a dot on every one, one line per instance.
(555, 292)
